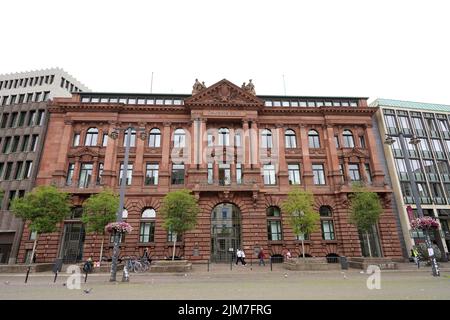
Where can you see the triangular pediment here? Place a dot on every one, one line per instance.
(355, 152)
(224, 93)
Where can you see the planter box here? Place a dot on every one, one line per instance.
(363, 263)
(171, 266)
(310, 264)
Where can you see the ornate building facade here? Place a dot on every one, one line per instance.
(239, 153)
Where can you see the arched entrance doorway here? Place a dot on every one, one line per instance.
(225, 232)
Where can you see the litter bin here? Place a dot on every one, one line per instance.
(344, 263)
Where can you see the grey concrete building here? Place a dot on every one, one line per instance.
(429, 161)
(23, 123)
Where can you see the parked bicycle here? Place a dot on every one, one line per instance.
(137, 264)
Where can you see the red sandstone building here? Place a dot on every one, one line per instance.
(238, 152)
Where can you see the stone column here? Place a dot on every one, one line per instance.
(93, 182)
(307, 165)
(76, 173)
(283, 178)
(63, 148)
(246, 144)
(138, 165)
(362, 170)
(333, 161)
(109, 167)
(164, 171)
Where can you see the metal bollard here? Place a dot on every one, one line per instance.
(270, 263)
(28, 272)
(208, 265)
(56, 275)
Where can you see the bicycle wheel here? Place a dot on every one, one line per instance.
(137, 267)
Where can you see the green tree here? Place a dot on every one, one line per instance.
(365, 210)
(44, 207)
(179, 210)
(99, 210)
(303, 219)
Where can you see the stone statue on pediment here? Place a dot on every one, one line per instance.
(250, 87)
(197, 87)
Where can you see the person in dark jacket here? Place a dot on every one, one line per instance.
(261, 257)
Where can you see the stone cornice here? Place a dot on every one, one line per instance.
(93, 107)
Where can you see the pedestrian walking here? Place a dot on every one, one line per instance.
(261, 257)
(243, 258)
(238, 256)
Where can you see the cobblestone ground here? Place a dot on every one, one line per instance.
(240, 283)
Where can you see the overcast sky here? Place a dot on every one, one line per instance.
(390, 49)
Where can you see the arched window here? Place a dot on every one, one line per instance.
(154, 139)
(348, 139)
(179, 138)
(313, 139)
(290, 140)
(326, 223)
(132, 138)
(91, 137)
(224, 137)
(274, 232)
(147, 226)
(266, 139)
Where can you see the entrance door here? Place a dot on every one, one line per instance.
(73, 241)
(225, 232)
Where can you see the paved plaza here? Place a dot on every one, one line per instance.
(250, 282)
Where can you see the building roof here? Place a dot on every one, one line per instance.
(410, 105)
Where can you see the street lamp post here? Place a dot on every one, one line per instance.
(415, 141)
(114, 135)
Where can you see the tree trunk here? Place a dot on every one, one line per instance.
(34, 249)
(368, 243)
(101, 250)
(303, 250)
(174, 244)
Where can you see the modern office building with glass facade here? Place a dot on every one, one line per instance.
(23, 122)
(238, 152)
(429, 160)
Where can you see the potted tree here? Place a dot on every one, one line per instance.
(44, 207)
(99, 210)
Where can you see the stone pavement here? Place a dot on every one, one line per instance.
(250, 282)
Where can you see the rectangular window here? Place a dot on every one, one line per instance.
(294, 173)
(24, 145)
(100, 173)
(210, 138)
(40, 118)
(12, 120)
(22, 117)
(85, 175)
(18, 172)
(274, 230)
(37, 96)
(4, 100)
(28, 169)
(70, 171)
(76, 140)
(12, 195)
(327, 230)
(105, 140)
(210, 173)
(31, 118)
(4, 120)
(177, 173)
(171, 236)
(7, 145)
(224, 174)
(147, 232)
(2, 165)
(319, 174)
(46, 96)
(151, 174)
(132, 138)
(129, 174)
(29, 97)
(362, 142)
(269, 174)
(34, 142)
(9, 166)
(238, 173)
(336, 141)
(15, 143)
(237, 140)
(353, 171)
(12, 100)
(21, 98)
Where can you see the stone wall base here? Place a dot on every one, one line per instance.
(363, 263)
